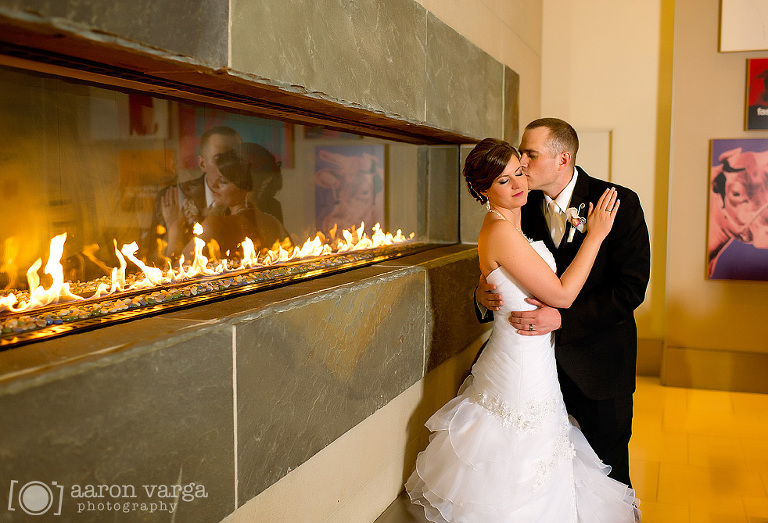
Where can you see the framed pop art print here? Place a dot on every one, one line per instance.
(738, 210)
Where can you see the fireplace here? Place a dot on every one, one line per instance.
(109, 190)
(263, 365)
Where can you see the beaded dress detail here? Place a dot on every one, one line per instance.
(504, 450)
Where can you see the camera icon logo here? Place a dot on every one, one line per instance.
(36, 498)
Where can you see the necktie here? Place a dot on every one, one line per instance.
(556, 222)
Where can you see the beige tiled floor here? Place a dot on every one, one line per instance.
(699, 455)
(696, 456)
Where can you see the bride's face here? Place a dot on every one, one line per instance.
(510, 189)
(226, 193)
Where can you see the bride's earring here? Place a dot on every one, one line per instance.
(488, 204)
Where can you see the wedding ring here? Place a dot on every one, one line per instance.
(609, 210)
(530, 326)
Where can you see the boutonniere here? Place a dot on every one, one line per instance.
(190, 210)
(578, 223)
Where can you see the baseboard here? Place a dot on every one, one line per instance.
(649, 357)
(715, 369)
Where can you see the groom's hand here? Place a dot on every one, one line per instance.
(485, 296)
(542, 320)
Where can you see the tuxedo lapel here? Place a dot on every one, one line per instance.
(533, 220)
(195, 190)
(581, 191)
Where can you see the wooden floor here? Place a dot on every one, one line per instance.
(695, 456)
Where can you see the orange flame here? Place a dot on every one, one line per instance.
(59, 291)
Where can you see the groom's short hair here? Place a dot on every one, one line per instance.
(562, 136)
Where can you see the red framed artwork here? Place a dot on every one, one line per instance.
(757, 94)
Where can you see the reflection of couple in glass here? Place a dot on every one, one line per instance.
(738, 228)
(563, 347)
(238, 178)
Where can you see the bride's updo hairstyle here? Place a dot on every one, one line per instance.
(485, 163)
(234, 167)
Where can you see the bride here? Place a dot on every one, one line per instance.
(504, 450)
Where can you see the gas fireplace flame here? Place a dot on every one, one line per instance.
(152, 277)
(58, 291)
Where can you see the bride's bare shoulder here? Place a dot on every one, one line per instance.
(498, 230)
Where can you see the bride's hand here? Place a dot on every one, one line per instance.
(602, 215)
(170, 207)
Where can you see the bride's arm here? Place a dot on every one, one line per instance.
(524, 264)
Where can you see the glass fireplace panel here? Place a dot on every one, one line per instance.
(109, 167)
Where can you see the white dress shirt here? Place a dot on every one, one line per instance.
(554, 210)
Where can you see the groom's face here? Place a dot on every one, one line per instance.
(540, 164)
(213, 148)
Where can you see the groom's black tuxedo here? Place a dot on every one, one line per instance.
(597, 343)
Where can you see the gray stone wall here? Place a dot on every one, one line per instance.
(187, 29)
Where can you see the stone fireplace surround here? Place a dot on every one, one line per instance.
(231, 395)
(234, 395)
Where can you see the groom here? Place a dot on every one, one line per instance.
(596, 338)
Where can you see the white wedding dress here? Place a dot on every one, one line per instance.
(504, 450)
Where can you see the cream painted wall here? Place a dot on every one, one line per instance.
(509, 31)
(603, 70)
(708, 103)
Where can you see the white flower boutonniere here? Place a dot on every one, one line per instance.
(578, 223)
(191, 212)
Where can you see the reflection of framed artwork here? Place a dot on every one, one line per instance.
(742, 25)
(277, 137)
(127, 117)
(738, 210)
(349, 186)
(757, 94)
